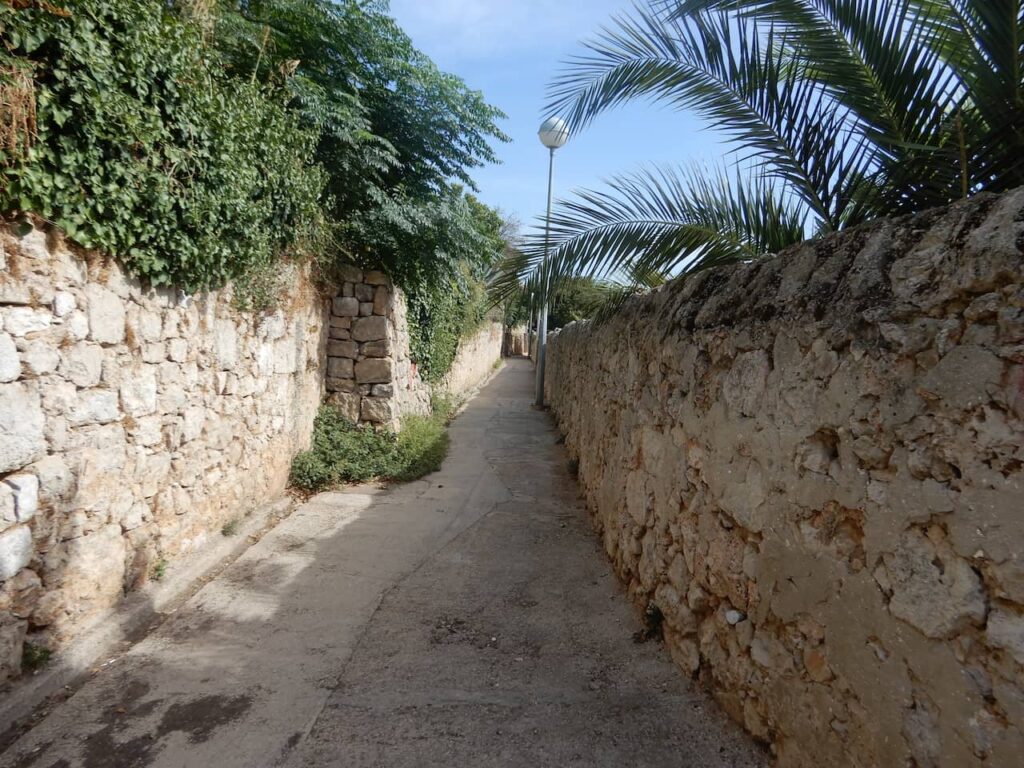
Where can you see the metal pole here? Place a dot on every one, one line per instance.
(542, 320)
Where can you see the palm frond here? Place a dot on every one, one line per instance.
(655, 221)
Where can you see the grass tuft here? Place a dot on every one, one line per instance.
(34, 657)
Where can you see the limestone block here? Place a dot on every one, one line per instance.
(94, 406)
(347, 403)
(348, 273)
(374, 371)
(380, 348)
(83, 365)
(177, 350)
(192, 426)
(56, 483)
(344, 306)
(933, 589)
(1005, 630)
(366, 309)
(376, 278)
(40, 358)
(21, 321)
(363, 292)
(341, 385)
(340, 334)
(15, 550)
(378, 410)
(382, 390)
(370, 329)
(341, 322)
(10, 362)
(24, 488)
(342, 349)
(106, 315)
(64, 303)
(286, 356)
(339, 368)
(21, 427)
(138, 392)
(77, 325)
(8, 516)
(381, 300)
(225, 344)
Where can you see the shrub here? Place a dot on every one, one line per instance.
(343, 452)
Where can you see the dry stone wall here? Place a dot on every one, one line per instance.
(813, 467)
(370, 376)
(133, 425)
(475, 359)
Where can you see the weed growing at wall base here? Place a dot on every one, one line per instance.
(343, 452)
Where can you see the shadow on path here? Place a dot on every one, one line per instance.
(469, 618)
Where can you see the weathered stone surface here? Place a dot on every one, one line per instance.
(21, 427)
(346, 273)
(1006, 630)
(12, 641)
(10, 362)
(381, 300)
(94, 406)
(370, 329)
(366, 309)
(25, 493)
(347, 403)
(376, 278)
(380, 348)
(812, 465)
(340, 367)
(345, 306)
(363, 292)
(15, 550)
(82, 364)
(378, 410)
(136, 421)
(374, 371)
(21, 321)
(348, 349)
(106, 314)
(382, 390)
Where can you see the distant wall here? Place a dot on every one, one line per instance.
(813, 466)
(475, 359)
(133, 424)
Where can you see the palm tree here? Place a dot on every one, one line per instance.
(836, 112)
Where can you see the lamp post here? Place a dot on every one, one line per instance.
(553, 134)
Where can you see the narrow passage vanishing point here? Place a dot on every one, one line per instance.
(466, 619)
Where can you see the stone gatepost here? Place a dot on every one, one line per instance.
(369, 373)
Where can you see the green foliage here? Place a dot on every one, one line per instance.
(230, 528)
(202, 142)
(838, 111)
(159, 569)
(34, 657)
(343, 452)
(145, 148)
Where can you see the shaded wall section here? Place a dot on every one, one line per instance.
(134, 424)
(813, 466)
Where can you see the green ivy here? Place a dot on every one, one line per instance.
(146, 149)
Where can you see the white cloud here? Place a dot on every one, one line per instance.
(475, 29)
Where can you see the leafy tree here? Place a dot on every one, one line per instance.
(837, 111)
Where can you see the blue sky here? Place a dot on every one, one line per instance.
(510, 50)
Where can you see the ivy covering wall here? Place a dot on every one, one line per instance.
(205, 142)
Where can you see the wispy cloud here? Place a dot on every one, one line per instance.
(477, 29)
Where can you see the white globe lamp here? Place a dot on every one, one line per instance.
(553, 133)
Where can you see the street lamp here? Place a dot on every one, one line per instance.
(553, 134)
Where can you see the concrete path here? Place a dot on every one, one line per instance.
(467, 619)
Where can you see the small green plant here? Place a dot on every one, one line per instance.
(231, 527)
(159, 570)
(496, 364)
(35, 657)
(343, 452)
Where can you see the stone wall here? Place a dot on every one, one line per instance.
(133, 425)
(369, 373)
(813, 466)
(475, 359)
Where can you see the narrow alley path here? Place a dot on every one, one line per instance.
(468, 619)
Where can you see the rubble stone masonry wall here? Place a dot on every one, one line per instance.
(133, 425)
(813, 466)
